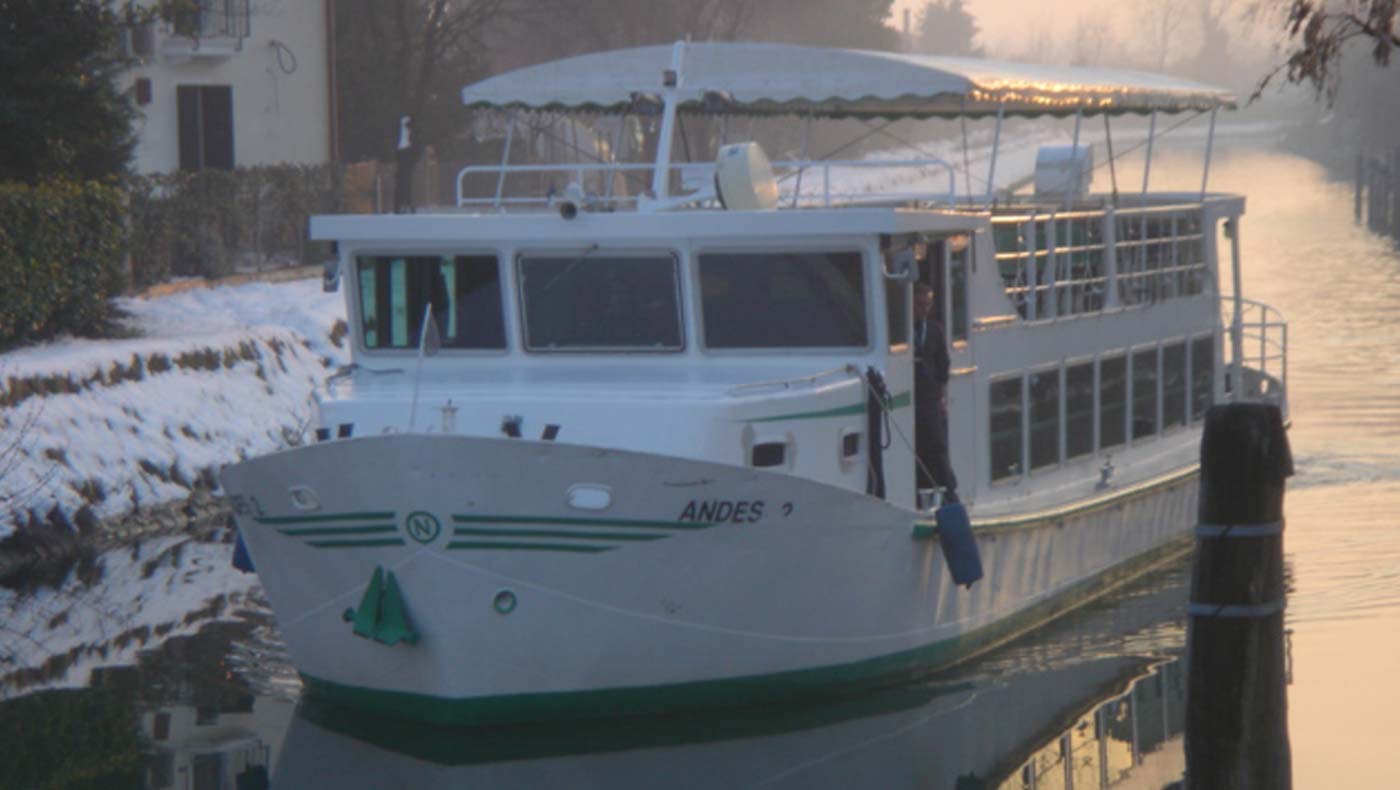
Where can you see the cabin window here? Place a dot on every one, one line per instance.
(1174, 385)
(1005, 429)
(1045, 418)
(592, 302)
(1113, 400)
(1144, 393)
(959, 257)
(1079, 410)
(464, 291)
(783, 300)
(897, 311)
(1202, 376)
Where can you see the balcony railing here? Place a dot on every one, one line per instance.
(212, 19)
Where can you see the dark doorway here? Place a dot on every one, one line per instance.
(206, 126)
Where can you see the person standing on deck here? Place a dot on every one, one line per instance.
(931, 370)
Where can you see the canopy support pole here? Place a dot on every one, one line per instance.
(802, 156)
(1210, 144)
(967, 166)
(1112, 167)
(996, 146)
(505, 162)
(1142, 217)
(1151, 136)
(671, 82)
(1074, 151)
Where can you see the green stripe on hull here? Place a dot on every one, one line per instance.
(554, 533)
(377, 529)
(581, 548)
(897, 402)
(354, 544)
(582, 522)
(732, 692)
(378, 515)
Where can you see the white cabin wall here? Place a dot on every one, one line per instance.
(671, 404)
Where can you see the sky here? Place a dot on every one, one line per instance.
(1005, 21)
(1009, 27)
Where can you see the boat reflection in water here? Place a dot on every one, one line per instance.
(1096, 701)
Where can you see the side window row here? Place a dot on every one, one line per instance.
(1045, 417)
(616, 302)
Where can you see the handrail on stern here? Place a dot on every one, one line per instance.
(1258, 351)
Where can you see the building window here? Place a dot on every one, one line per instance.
(1045, 418)
(1005, 416)
(1144, 393)
(1173, 385)
(206, 126)
(1113, 400)
(1079, 410)
(1202, 376)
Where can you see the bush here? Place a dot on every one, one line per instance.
(62, 252)
(214, 222)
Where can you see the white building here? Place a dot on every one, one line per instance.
(233, 83)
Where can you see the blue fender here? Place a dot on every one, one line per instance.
(241, 559)
(958, 544)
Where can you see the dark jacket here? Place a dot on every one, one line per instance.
(931, 365)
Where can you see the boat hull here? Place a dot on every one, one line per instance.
(695, 585)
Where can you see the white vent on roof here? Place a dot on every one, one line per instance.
(1063, 172)
(744, 178)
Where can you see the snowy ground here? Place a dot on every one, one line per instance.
(218, 374)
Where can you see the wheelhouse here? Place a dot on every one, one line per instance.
(1085, 331)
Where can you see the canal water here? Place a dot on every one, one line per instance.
(1093, 700)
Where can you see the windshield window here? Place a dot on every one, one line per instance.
(594, 301)
(783, 300)
(464, 291)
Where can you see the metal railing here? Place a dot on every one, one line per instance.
(1057, 262)
(614, 185)
(212, 19)
(1257, 354)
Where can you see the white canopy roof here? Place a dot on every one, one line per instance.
(771, 79)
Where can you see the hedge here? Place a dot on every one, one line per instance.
(62, 250)
(212, 223)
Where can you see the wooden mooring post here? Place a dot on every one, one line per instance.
(1236, 704)
(1393, 193)
(1378, 188)
(1360, 185)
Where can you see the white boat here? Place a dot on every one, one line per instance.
(652, 453)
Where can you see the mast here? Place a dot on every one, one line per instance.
(671, 80)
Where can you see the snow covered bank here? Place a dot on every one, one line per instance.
(92, 430)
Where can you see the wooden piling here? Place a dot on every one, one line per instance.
(1236, 708)
(1360, 175)
(1393, 191)
(1377, 215)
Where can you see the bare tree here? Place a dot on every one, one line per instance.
(1319, 34)
(1093, 35)
(947, 28)
(407, 58)
(1162, 22)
